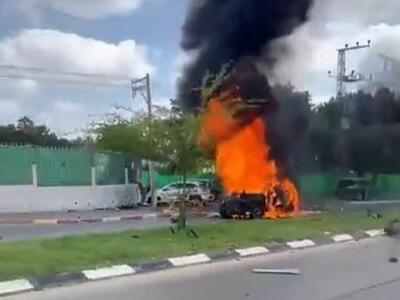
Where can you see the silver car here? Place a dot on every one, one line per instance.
(195, 190)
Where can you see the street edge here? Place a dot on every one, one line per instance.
(66, 279)
(110, 219)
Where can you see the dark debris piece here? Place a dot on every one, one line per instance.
(373, 215)
(393, 260)
(193, 233)
(393, 228)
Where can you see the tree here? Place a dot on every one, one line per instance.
(27, 132)
(169, 138)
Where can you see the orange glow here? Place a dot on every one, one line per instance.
(242, 156)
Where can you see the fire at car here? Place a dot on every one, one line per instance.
(234, 129)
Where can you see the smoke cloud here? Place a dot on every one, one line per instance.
(221, 31)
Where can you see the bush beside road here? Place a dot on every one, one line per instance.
(48, 257)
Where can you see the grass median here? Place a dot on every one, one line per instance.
(48, 257)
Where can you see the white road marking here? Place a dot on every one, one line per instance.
(300, 244)
(113, 271)
(375, 232)
(252, 251)
(111, 219)
(45, 221)
(150, 216)
(15, 286)
(342, 238)
(189, 260)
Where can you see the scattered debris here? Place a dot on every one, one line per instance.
(373, 215)
(393, 260)
(327, 232)
(393, 228)
(135, 236)
(192, 233)
(277, 271)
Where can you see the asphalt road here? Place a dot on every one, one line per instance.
(31, 232)
(355, 270)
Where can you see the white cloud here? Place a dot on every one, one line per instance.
(312, 49)
(63, 107)
(61, 51)
(364, 12)
(87, 9)
(67, 106)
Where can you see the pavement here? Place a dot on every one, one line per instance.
(29, 226)
(349, 270)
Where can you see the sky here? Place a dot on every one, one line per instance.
(129, 38)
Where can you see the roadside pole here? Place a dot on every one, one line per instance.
(140, 84)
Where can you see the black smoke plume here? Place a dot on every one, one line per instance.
(222, 31)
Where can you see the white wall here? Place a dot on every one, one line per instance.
(33, 199)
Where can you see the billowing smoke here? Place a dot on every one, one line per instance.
(222, 31)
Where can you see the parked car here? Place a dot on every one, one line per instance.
(355, 188)
(215, 187)
(196, 189)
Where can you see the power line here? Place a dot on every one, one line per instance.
(65, 81)
(60, 72)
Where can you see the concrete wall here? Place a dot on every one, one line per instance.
(33, 199)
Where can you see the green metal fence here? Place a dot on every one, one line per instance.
(62, 167)
(71, 167)
(15, 166)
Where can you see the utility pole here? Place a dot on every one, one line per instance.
(143, 85)
(342, 78)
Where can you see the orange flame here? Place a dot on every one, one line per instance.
(242, 156)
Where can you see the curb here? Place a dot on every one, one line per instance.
(112, 219)
(26, 285)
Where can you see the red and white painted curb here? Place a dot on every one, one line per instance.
(109, 219)
(24, 285)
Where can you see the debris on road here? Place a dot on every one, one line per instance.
(277, 271)
(393, 228)
(393, 260)
(192, 233)
(373, 215)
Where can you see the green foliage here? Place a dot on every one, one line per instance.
(27, 132)
(169, 139)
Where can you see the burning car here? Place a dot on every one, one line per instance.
(234, 131)
(250, 206)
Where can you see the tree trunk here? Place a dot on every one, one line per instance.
(182, 206)
(152, 183)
